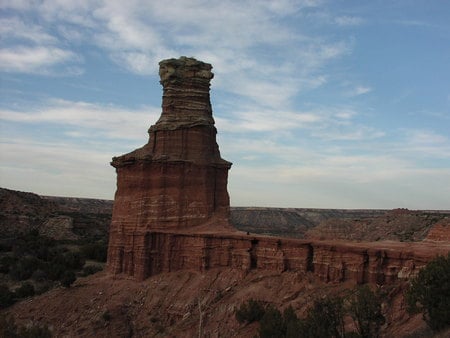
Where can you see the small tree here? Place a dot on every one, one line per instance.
(25, 290)
(272, 324)
(429, 293)
(6, 296)
(325, 319)
(365, 309)
(68, 278)
(251, 311)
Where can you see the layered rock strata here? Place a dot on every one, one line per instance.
(178, 180)
(171, 209)
(377, 262)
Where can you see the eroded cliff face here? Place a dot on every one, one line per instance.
(364, 262)
(171, 209)
(178, 179)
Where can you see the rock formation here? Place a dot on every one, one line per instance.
(171, 209)
(178, 179)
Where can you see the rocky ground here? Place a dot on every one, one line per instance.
(189, 303)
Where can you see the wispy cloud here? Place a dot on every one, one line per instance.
(348, 20)
(359, 90)
(140, 34)
(86, 118)
(34, 59)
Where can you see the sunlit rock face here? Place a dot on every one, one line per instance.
(178, 179)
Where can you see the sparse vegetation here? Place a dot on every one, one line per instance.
(68, 278)
(251, 311)
(25, 290)
(96, 251)
(324, 319)
(6, 296)
(90, 270)
(429, 293)
(38, 262)
(106, 316)
(365, 310)
(9, 329)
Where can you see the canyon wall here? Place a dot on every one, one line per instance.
(364, 262)
(171, 209)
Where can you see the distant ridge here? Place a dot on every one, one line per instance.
(20, 211)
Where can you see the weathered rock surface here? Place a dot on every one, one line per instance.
(171, 209)
(440, 232)
(178, 179)
(337, 261)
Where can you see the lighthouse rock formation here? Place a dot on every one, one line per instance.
(176, 181)
(171, 208)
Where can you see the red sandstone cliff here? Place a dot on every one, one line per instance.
(178, 179)
(171, 209)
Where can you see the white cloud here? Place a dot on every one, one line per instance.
(360, 90)
(106, 120)
(349, 20)
(13, 28)
(33, 59)
(226, 33)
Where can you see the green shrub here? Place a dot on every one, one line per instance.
(91, 269)
(272, 324)
(70, 260)
(39, 275)
(9, 329)
(365, 310)
(68, 278)
(25, 290)
(292, 324)
(429, 293)
(24, 268)
(251, 311)
(54, 271)
(106, 316)
(6, 296)
(324, 319)
(6, 262)
(95, 251)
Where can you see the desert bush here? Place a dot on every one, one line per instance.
(96, 251)
(69, 260)
(251, 311)
(324, 319)
(6, 262)
(106, 316)
(39, 275)
(429, 293)
(24, 268)
(68, 278)
(6, 296)
(365, 309)
(25, 290)
(91, 269)
(272, 324)
(54, 271)
(9, 329)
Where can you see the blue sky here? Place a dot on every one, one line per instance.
(329, 104)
